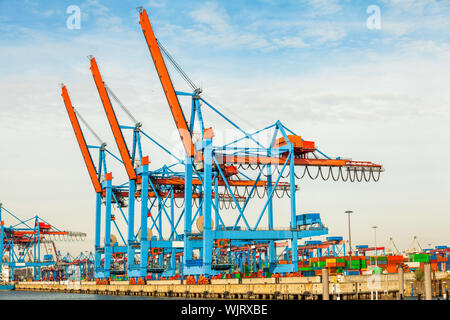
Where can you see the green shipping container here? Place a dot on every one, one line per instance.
(305, 269)
(421, 258)
(354, 265)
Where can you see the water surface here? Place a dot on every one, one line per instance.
(32, 295)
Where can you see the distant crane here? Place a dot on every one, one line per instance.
(22, 242)
(389, 249)
(412, 248)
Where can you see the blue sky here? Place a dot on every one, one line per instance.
(257, 32)
(377, 95)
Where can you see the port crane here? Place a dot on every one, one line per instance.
(22, 243)
(286, 149)
(169, 184)
(211, 179)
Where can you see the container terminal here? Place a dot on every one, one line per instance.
(184, 246)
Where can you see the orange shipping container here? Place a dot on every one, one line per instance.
(394, 259)
(392, 269)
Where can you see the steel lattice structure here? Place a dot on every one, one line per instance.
(26, 243)
(197, 190)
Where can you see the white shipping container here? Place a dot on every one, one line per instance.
(413, 264)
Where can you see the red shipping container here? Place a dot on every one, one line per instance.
(394, 259)
(392, 269)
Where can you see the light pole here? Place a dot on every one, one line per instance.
(376, 251)
(349, 237)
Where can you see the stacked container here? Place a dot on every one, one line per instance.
(393, 263)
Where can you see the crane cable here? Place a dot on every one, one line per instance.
(319, 171)
(88, 127)
(177, 67)
(111, 93)
(352, 173)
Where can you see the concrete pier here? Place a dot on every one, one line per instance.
(299, 288)
(325, 285)
(401, 284)
(427, 278)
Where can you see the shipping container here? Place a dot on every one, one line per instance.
(351, 272)
(413, 264)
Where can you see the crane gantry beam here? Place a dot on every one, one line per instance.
(112, 119)
(166, 82)
(81, 141)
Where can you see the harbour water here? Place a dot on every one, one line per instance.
(33, 295)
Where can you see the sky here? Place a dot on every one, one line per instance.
(366, 80)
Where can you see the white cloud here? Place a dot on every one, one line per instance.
(95, 7)
(214, 27)
(323, 7)
(323, 31)
(156, 3)
(102, 16)
(412, 6)
(212, 15)
(112, 23)
(402, 18)
(290, 42)
(440, 50)
(49, 13)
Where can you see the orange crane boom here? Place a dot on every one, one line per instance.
(81, 141)
(112, 119)
(166, 83)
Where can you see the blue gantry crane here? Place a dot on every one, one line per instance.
(25, 244)
(240, 177)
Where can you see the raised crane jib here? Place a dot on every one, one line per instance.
(112, 119)
(81, 141)
(166, 83)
